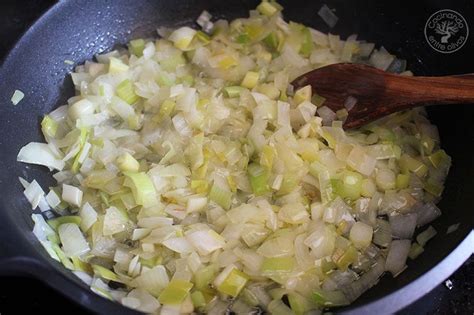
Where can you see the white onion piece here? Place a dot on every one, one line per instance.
(74, 243)
(72, 195)
(327, 114)
(355, 289)
(328, 16)
(397, 256)
(403, 226)
(41, 154)
(361, 234)
(350, 102)
(148, 304)
(427, 213)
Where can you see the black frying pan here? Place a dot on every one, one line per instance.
(77, 30)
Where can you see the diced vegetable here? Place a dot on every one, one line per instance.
(17, 97)
(72, 240)
(175, 292)
(230, 281)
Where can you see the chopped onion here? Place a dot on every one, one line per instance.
(403, 226)
(72, 195)
(350, 102)
(328, 16)
(17, 97)
(41, 154)
(74, 243)
(397, 256)
(426, 213)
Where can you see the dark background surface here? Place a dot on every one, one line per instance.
(20, 295)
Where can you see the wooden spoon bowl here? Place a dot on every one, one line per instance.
(379, 93)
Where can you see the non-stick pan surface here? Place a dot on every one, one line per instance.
(76, 30)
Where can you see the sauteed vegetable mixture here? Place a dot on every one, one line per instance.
(191, 176)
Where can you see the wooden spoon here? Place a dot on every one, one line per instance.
(379, 93)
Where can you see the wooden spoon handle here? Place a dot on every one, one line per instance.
(432, 90)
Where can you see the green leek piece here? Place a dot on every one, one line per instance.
(105, 273)
(348, 186)
(403, 180)
(133, 122)
(271, 40)
(302, 94)
(233, 91)
(136, 47)
(415, 250)
(266, 8)
(267, 156)
(200, 186)
(407, 163)
(254, 30)
(81, 265)
(233, 283)
(203, 37)
(318, 100)
(221, 196)
(384, 134)
(175, 292)
(151, 262)
(250, 80)
(277, 265)
(433, 187)
(187, 79)
(269, 90)
(166, 110)
(349, 257)
(127, 163)
(439, 158)
(299, 304)
(56, 222)
(164, 79)
(49, 127)
(117, 66)
(198, 299)
(170, 64)
(330, 298)
(126, 92)
(243, 38)
(62, 257)
(82, 140)
(307, 46)
(142, 188)
(249, 297)
(204, 276)
(258, 177)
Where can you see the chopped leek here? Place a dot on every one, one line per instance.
(220, 196)
(231, 281)
(250, 80)
(126, 92)
(142, 188)
(175, 292)
(127, 163)
(258, 177)
(267, 8)
(49, 127)
(136, 47)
